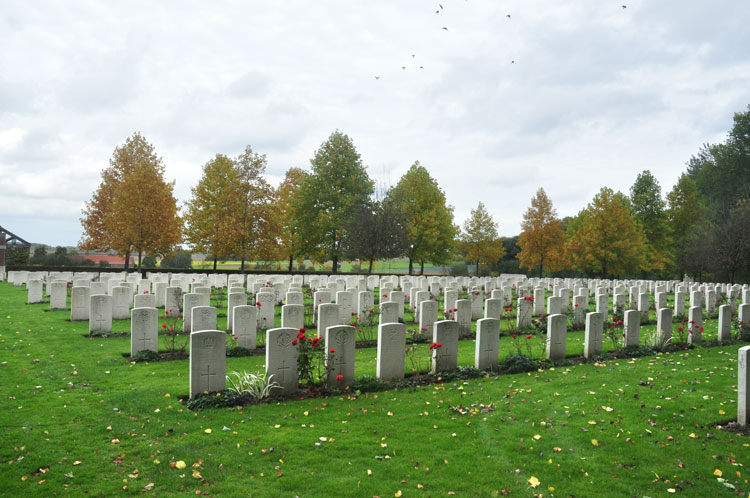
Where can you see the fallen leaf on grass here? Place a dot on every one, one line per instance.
(180, 464)
(533, 481)
(148, 487)
(717, 472)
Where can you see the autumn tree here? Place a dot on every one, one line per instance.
(428, 219)
(479, 240)
(542, 240)
(255, 225)
(608, 241)
(648, 209)
(134, 209)
(286, 197)
(210, 219)
(329, 197)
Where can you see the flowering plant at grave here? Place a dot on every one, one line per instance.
(694, 327)
(682, 328)
(220, 296)
(450, 314)
(311, 367)
(523, 344)
(742, 329)
(171, 327)
(528, 298)
(476, 293)
(416, 336)
(616, 332)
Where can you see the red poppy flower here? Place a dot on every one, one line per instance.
(528, 336)
(163, 325)
(339, 377)
(333, 350)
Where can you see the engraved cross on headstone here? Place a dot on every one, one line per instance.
(208, 376)
(100, 320)
(282, 370)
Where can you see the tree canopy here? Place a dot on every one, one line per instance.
(134, 208)
(542, 240)
(330, 197)
(479, 239)
(428, 219)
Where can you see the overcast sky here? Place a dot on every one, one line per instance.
(512, 96)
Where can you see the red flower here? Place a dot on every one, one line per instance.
(333, 350)
(575, 305)
(163, 325)
(435, 345)
(528, 336)
(294, 342)
(339, 377)
(514, 336)
(257, 303)
(301, 335)
(316, 341)
(680, 329)
(302, 330)
(235, 337)
(385, 295)
(145, 292)
(619, 322)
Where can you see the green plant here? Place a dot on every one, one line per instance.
(256, 386)
(615, 332)
(368, 383)
(742, 330)
(221, 399)
(145, 355)
(517, 363)
(459, 373)
(658, 342)
(171, 330)
(311, 367)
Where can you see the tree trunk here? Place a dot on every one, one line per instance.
(411, 265)
(369, 270)
(477, 268)
(291, 259)
(215, 261)
(421, 267)
(335, 261)
(541, 270)
(140, 254)
(242, 265)
(127, 260)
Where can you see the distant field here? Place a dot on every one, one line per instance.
(394, 266)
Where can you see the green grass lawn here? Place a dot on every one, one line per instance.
(80, 419)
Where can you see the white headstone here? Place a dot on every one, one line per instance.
(120, 302)
(486, 348)
(725, 323)
(79, 304)
(663, 324)
(340, 342)
(523, 313)
(144, 330)
(266, 310)
(189, 301)
(173, 299)
(293, 316)
(208, 358)
(428, 314)
(493, 308)
(554, 305)
(203, 318)
(556, 325)
(281, 358)
(632, 327)
(594, 334)
(388, 312)
(100, 316)
(695, 317)
(245, 325)
(445, 357)
(463, 317)
(236, 298)
(34, 291)
(391, 350)
(743, 382)
(329, 315)
(58, 296)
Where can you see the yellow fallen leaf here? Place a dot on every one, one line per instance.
(77, 462)
(592, 422)
(595, 442)
(390, 414)
(671, 490)
(534, 481)
(692, 435)
(420, 486)
(717, 473)
(180, 464)
(537, 437)
(307, 413)
(157, 410)
(369, 472)
(721, 412)
(551, 489)
(607, 408)
(276, 426)
(397, 494)
(208, 431)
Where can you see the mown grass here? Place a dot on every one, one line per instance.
(79, 418)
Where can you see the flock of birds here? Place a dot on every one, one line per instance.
(438, 11)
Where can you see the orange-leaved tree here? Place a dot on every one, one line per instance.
(209, 217)
(542, 240)
(134, 209)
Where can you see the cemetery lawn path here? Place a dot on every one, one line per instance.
(79, 419)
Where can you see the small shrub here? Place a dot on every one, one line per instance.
(221, 399)
(518, 363)
(368, 383)
(638, 351)
(145, 355)
(460, 373)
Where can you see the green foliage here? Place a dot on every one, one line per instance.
(459, 269)
(518, 363)
(16, 255)
(648, 209)
(428, 219)
(221, 399)
(329, 198)
(638, 351)
(459, 373)
(149, 262)
(178, 259)
(145, 355)
(370, 384)
(479, 240)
